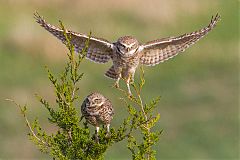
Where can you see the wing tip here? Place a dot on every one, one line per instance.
(214, 20)
(39, 19)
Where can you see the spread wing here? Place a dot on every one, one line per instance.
(157, 51)
(99, 50)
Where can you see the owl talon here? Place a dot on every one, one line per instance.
(131, 81)
(130, 95)
(116, 85)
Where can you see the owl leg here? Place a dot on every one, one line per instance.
(117, 81)
(108, 131)
(132, 73)
(96, 134)
(130, 78)
(118, 71)
(128, 86)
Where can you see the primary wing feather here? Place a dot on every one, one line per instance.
(157, 51)
(99, 50)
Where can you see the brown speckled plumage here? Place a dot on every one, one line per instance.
(97, 110)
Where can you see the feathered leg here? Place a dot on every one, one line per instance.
(96, 134)
(108, 131)
(128, 75)
(119, 73)
(117, 81)
(128, 86)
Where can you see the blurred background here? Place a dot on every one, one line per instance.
(199, 89)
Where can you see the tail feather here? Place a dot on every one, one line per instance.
(111, 73)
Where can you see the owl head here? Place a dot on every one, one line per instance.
(127, 46)
(96, 99)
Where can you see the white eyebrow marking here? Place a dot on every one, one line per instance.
(129, 46)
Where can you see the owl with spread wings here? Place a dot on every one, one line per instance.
(127, 52)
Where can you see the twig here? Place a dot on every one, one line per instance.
(28, 124)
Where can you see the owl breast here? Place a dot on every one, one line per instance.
(125, 62)
(125, 65)
(97, 115)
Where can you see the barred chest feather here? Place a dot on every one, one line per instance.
(125, 62)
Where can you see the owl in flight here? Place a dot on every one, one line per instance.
(127, 53)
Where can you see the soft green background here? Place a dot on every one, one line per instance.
(199, 88)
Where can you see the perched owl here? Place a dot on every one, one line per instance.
(97, 110)
(127, 53)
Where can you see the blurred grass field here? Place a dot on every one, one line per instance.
(199, 89)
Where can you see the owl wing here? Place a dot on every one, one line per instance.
(99, 50)
(109, 107)
(157, 51)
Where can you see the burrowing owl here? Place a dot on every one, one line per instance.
(97, 110)
(127, 52)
